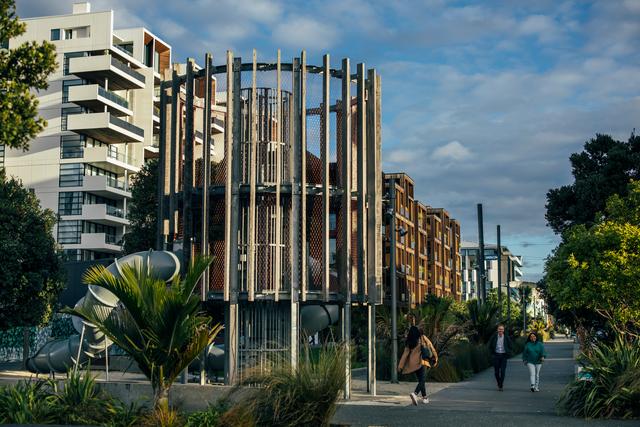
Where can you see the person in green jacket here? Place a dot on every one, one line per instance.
(533, 355)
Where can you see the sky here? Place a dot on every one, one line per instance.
(482, 102)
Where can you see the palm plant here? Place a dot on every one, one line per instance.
(436, 320)
(161, 326)
(483, 320)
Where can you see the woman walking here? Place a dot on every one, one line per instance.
(533, 355)
(419, 355)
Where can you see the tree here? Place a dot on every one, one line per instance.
(163, 328)
(143, 210)
(22, 69)
(602, 169)
(598, 267)
(31, 272)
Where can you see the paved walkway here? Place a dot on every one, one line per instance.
(476, 401)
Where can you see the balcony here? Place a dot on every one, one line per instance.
(101, 214)
(105, 186)
(105, 67)
(96, 98)
(105, 127)
(98, 242)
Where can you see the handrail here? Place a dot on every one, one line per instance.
(124, 124)
(125, 68)
(113, 97)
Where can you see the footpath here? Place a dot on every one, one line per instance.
(476, 401)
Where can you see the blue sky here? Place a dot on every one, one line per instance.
(483, 102)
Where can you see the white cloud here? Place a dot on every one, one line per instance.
(305, 32)
(453, 151)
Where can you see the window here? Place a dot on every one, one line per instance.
(93, 227)
(67, 84)
(68, 34)
(67, 57)
(71, 174)
(70, 203)
(55, 34)
(72, 146)
(69, 232)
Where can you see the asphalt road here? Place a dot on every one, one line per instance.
(477, 402)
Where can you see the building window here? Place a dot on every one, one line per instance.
(55, 34)
(72, 146)
(70, 203)
(71, 174)
(67, 84)
(93, 227)
(69, 232)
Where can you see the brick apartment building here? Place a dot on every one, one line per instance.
(427, 246)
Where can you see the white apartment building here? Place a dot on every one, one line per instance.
(510, 269)
(102, 109)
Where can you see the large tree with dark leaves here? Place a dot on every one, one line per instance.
(31, 272)
(602, 169)
(22, 68)
(143, 210)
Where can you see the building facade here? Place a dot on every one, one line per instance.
(103, 118)
(427, 246)
(510, 269)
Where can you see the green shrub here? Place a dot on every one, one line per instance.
(292, 397)
(210, 417)
(518, 344)
(480, 358)
(613, 390)
(28, 402)
(445, 372)
(462, 359)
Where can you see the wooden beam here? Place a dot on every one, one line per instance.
(346, 216)
(253, 120)
(278, 237)
(361, 182)
(228, 154)
(303, 177)
(325, 159)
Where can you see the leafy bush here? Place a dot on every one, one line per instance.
(292, 397)
(518, 344)
(77, 401)
(28, 402)
(209, 417)
(480, 358)
(614, 388)
(445, 372)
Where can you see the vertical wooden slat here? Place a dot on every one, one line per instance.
(187, 172)
(325, 154)
(295, 213)
(346, 215)
(374, 190)
(303, 176)
(361, 183)
(175, 88)
(278, 257)
(253, 114)
(228, 153)
(206, 146)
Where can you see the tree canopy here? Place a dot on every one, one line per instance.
(32, 275)
(598, 267)
(22, 69)
(601, 170)
(143, 210)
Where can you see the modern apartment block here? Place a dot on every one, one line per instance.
(427, 246)
(103, 118)
(510, 269)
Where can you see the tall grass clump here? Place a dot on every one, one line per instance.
(613, 390)
(304, 396)
(28, 402)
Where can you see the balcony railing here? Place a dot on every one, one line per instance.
(126, 69)
(113, 211)
(119, 184)
(110, 238)
(126, 125)
(113, 97)
(156, 111)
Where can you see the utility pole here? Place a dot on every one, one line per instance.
(482, 292)
(393, 283)
(499, 269)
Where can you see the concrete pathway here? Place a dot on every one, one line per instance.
(477, 401)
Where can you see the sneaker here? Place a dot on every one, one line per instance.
(414, 398)
(537, 389)
(533, 389)
(425, 400)
(499, 388)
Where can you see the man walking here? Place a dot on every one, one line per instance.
(500, 347)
